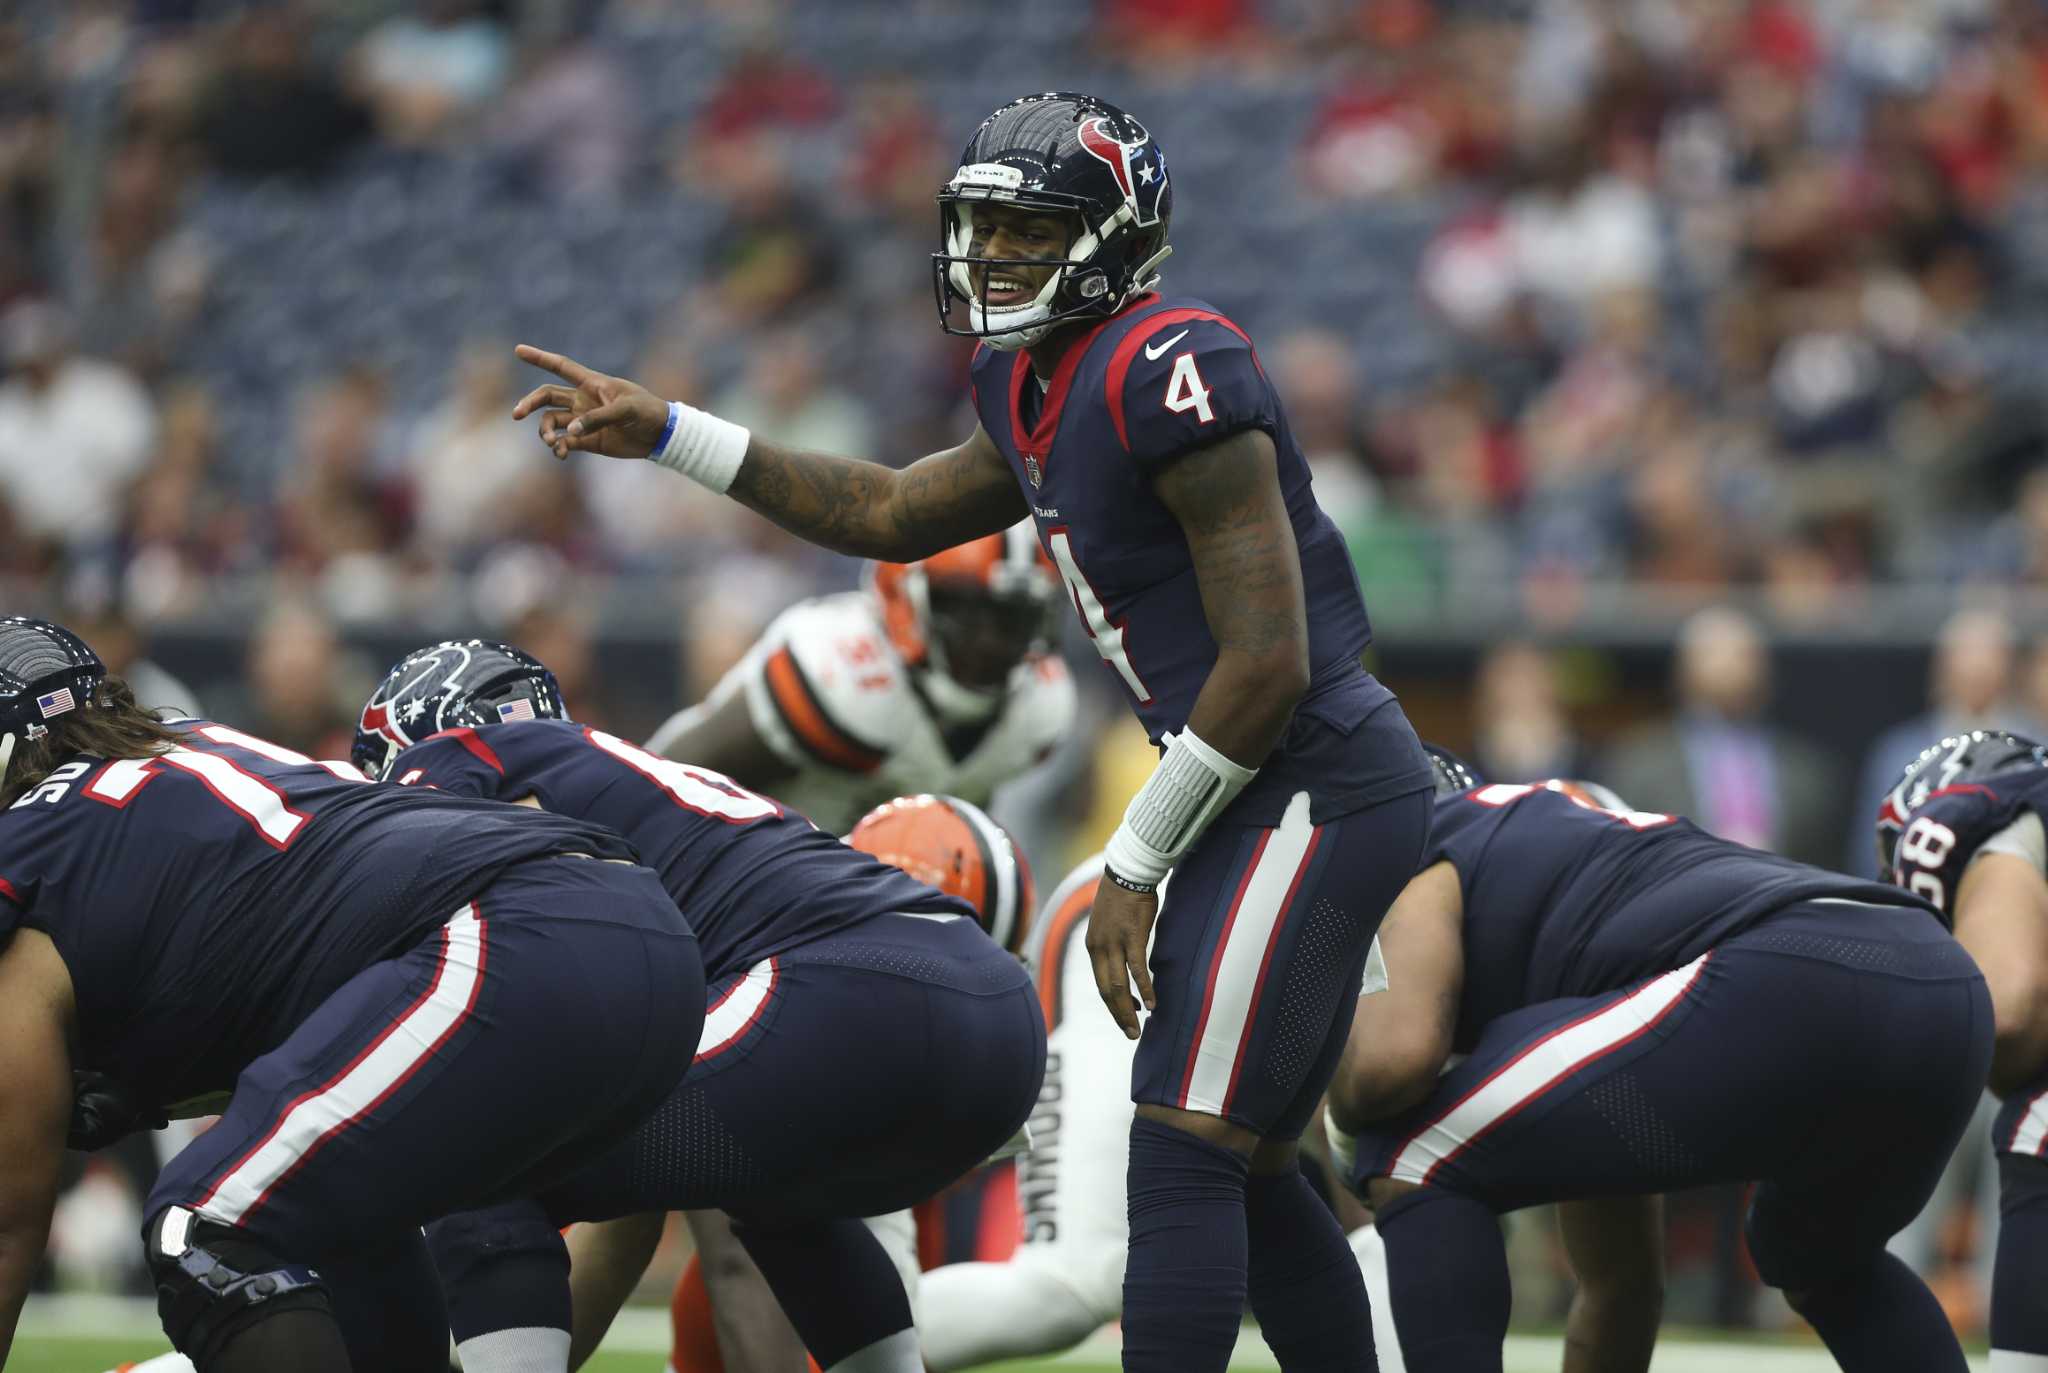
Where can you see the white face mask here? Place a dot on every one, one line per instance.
(1007, 328)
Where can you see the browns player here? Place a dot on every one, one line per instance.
(1140, 434)
(938, 677)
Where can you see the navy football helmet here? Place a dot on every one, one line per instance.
(1453, 774)
(1058, 153)
(45, 671)
(1967, 757)
(456, 683)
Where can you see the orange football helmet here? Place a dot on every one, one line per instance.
(966, 616)
(947, 843)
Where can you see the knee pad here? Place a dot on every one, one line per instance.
(212, 1282)
(2022, 1182)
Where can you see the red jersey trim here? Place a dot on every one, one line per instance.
(467, 737)
(1037, 440)
(1127, 352)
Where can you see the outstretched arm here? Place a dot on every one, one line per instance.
(861, 508)
(35, 1108)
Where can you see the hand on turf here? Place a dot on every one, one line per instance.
(105, 1111)
(1119, 926)
(594, 413)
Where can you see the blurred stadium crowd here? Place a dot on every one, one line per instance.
(1685, 293)
(1688, 298)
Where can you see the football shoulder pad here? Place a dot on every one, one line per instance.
(1183, 378)
(1938, 837)
(825, 689)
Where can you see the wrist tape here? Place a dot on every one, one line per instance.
(701, 446)
(1189, 788)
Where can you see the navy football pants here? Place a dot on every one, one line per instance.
(1834, 1053)
(550, 1015)
(852, 1076)
(1261, 942)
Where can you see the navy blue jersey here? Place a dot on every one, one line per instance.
(1563, 899)
(1138, 391)
(206, 901)
(753, 879)
(1944, 831)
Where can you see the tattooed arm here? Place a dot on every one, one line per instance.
(1228, 502)
(873, 511)
(843, 504)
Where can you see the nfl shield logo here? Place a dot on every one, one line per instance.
(515, 710)
(56, 703)
(1031, 468)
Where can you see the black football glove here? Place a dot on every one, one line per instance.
(104, 1110)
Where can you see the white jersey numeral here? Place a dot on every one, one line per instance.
(1108, 637)
(254, 798)
(698, 789)
(1185, 391)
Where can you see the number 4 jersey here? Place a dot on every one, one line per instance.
(207, 900)
(752, 879)
(1136, 392)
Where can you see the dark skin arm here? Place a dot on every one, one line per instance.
(859, 508)
(1401, 1037)
(1227, 499)
(35, 1108)
(721, 736)
(1616, 1245)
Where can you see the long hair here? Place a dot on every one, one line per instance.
(112, 726)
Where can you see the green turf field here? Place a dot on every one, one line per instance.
(51, 1354)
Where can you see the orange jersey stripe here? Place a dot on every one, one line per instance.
(1060, 929)
(814, 729)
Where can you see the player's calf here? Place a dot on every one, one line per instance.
(2019, 1306)
(1302, 1278)
(1447, 1272)
(232, 1306)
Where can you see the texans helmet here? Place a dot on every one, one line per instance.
(1453, 774)
(46, 672)
(947, 843)
(966, 616)
(1968, 757)
(451, 684)
(1066, 154)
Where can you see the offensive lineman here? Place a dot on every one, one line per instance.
(1644, 1007)
(1962, 828)
(865, 1044)
(938, 677)
(392, 998)
(1141, 435)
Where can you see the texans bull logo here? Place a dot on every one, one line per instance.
(1140, 168)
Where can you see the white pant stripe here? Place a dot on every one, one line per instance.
(2033, 1127)
(2012, 1361)
(410, 1041)
(1539, 1067)
(732, 1014)
(1235, 968)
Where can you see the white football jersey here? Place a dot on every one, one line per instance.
(831, 696)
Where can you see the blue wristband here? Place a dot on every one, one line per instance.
(668, 431)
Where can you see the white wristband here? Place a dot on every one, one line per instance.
(701, 446)
(1189, 788)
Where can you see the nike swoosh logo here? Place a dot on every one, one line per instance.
(1153, 354)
